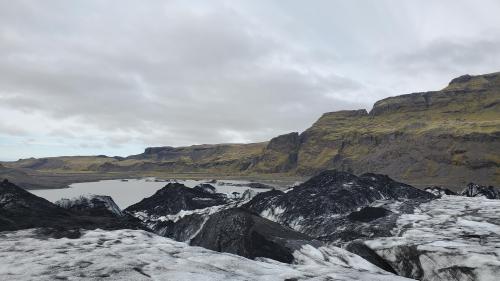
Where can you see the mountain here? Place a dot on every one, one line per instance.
(446, 138)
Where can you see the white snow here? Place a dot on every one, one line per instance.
(138, 255)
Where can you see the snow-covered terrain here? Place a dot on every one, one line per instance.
(452, 238)
(139, 255)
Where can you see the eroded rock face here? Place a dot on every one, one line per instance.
(285, 143)
(176, 197)
(280, 154)
(329, 205)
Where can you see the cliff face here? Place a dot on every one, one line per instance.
(448, 137)
(280, 155)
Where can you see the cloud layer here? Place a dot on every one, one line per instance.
(111, 77)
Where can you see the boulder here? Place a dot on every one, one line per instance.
(176, 197)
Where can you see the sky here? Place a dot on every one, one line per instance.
(89, 77)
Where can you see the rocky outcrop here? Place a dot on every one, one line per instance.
(280, 154)
(240, 232)
(475, 190)
(97, 205)
(330, 205)
(359, 248)
(176, 197)
(216, 224)
(284, 143)
(20, 209)
(205, 187)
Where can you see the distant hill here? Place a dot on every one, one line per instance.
(448, 137)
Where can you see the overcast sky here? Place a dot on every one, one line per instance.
(113, 77)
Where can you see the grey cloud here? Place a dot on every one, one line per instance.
(452, 56)
(186, 72)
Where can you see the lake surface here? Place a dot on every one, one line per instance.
(128, 192)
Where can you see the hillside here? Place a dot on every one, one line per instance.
(448, 137)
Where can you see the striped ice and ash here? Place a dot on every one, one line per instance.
(452, 238)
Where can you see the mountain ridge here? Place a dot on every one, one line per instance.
(445, 137)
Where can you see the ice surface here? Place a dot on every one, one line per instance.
(139, 255)
(91, 201)
(449, 236)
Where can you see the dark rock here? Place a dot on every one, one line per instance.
(259, 185)
(284, 143)
(326, 206)
(250, 184)
(367, 214)
(359, 248)
(20, 209)
(175, 197)
(280, 154)
(248, 194)
(243, 233)
(183, 229)
(205, 187)
(475, 190)
(461, 79)
(93, 205)
(407, 261)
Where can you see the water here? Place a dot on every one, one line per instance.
(126, 193)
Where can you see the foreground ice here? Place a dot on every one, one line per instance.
(139, 255)
(452, 238)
